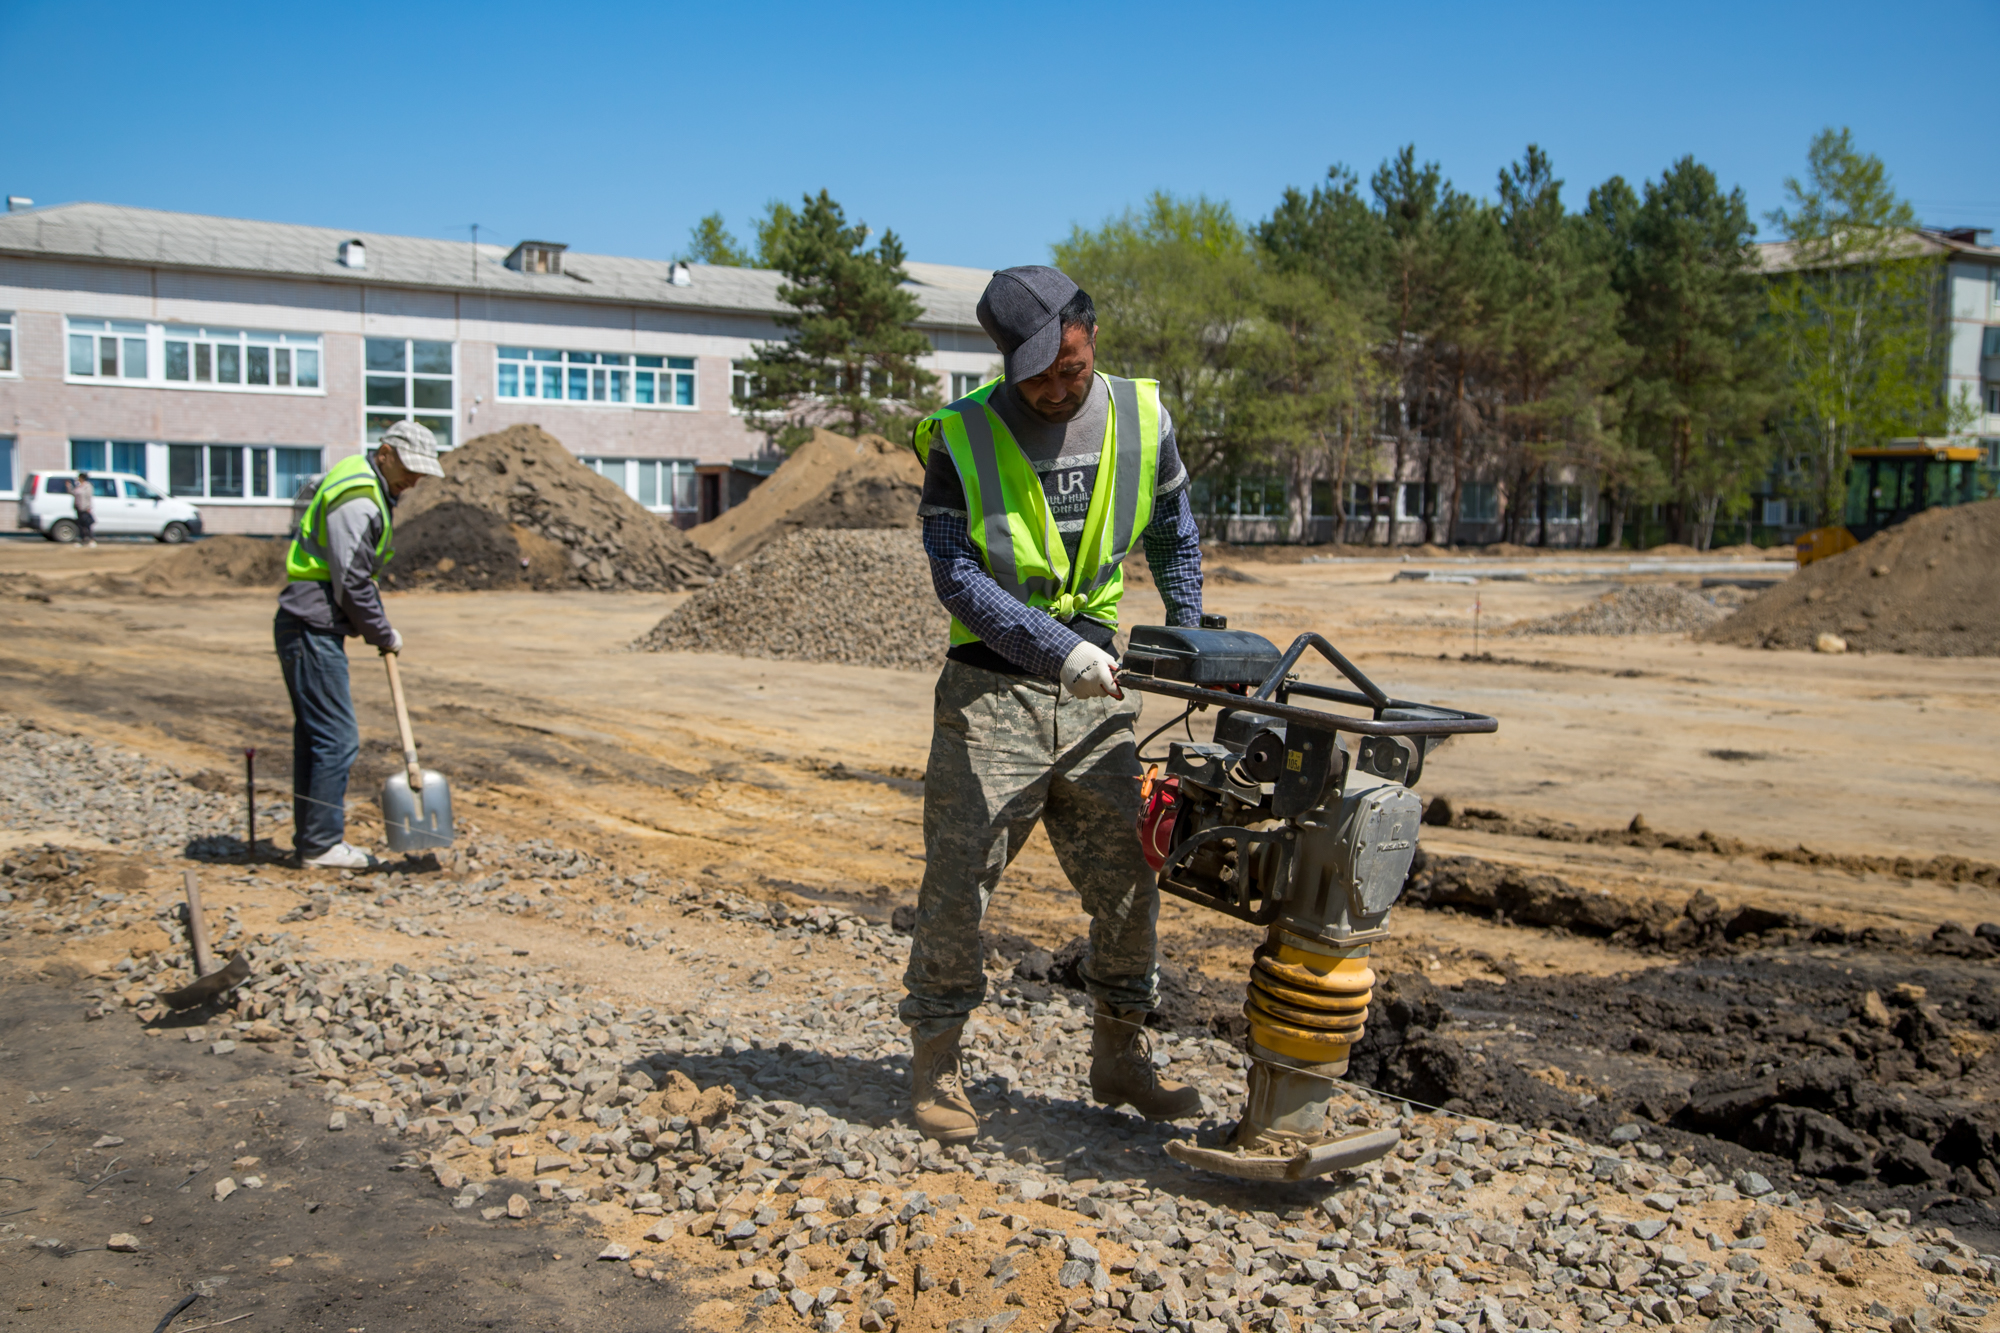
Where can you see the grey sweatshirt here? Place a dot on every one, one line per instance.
(348, 603)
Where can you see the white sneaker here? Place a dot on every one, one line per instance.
(341, 856)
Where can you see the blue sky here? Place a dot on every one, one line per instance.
(981, 134)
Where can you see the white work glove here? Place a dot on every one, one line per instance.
(395, 644)
(1088, 673)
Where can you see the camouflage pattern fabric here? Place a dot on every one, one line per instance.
(1007, 751)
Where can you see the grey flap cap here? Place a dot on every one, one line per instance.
(1021, 311)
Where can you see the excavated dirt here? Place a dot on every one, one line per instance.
(515, 509)
(1929, 586)
(238, 562)
(830, 481)
(1439, 813)
(862, 597)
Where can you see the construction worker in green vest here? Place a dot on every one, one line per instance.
(1036, 487)
(338, 552)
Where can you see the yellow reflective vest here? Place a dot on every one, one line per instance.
(307, 559)
(1008, 514)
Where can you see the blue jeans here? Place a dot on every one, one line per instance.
(326, 740)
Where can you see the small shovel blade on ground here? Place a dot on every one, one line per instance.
(416, 803)
(207, 984)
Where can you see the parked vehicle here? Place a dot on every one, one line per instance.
(126, 506)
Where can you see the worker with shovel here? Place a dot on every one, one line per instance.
(1036, 488)
(339, 550)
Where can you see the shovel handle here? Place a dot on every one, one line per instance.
(197, 925)
(415, 771)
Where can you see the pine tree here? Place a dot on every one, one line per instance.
(709, 242)
(1702, 382)
(851, 354)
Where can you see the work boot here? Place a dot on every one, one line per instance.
(340, 856)
(938, 1103)
(1121, 1068)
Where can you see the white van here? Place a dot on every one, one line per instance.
(126, 506)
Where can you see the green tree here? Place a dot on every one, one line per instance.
(1556, 336)
(1175, 284)
(1628, 472)
(709, 242)
(851, 354)
(1858, 315)
(1701, 381)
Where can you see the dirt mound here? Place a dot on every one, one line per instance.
(517, 510)
(1642, 609)
(831, 481)
(1929, 586)
(861, 597)
(215, 562)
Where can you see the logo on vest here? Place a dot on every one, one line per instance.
(1069, 483)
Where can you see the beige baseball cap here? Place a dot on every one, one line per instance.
(416, 446)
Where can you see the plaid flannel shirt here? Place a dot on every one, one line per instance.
(1031, 638)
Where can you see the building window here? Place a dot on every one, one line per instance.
(1377, 499)
(194, 357)
(964, 382)
(595, 377)
(6, 465)
(1478, 502)
(1990, 346)
(1564, 504)
(239, 472)
(1993, 400)
(6, 343)
(740, 386)
(108, 456)
(665, 485)
(410, 379)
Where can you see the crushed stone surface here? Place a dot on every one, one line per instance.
(1641, 609)
(856, 596)
(1930, 586)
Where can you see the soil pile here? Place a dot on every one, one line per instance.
(1930, 585)
(1641, 609)
(861, 597)
(831, 481)
(515, 509)
(215, 562)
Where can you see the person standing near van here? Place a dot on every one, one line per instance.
(339, 551)
(84, 496)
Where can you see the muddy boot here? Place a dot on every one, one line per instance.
(938, 1103)
(1121, 1068)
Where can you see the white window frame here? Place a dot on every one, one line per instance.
(283, 356)
(1565, 502)
(964, 382)
(11, 445)
(1993, 400)
(672, 478)
(376, 418)
(252, 459)
(606, 379)
(10, 354)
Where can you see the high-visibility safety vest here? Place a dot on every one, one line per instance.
(1008, 514)
(309, 555)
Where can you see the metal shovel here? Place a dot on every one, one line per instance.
(416, 803)
(206, 984)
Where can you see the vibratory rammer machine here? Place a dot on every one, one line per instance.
(1300, 820)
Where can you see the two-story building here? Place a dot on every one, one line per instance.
(226, 360)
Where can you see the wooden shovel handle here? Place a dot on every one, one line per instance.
(403, 727)
(197, 925)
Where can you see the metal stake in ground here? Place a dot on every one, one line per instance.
(250, 798)
(207, 984)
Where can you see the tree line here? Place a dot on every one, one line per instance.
(1411, 332)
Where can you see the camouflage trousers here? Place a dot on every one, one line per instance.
(1005, 752)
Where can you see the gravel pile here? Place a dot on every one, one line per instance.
(1646, 608)
(857, 596)
(516, 509)
(53, 781)
(766, 1130)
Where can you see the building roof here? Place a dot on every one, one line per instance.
(112, 233)
(1923, 243)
